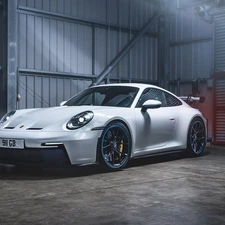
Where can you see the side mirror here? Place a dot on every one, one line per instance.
(62, 103)
(151, 104)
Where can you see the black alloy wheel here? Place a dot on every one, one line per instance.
(196, 137)
(115, 146)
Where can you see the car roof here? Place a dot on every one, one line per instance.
(138, 85)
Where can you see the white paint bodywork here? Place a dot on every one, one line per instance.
(156, 130)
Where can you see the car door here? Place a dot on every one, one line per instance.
(155, 127)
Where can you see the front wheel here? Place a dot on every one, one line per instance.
(115, 146)
(196, 137)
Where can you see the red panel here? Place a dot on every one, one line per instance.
(219, 109)
(206, 108)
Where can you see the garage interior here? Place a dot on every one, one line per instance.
(53, 49)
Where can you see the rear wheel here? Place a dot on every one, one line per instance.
(115, 146)
(196, 137)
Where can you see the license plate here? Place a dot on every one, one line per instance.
(12, 143)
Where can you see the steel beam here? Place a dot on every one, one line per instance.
(166, 53)
(126, 49)
(174, 82)
(56, 74)
(3, 57)
(190, 3)
(190, 41)
(12, 55)
(93, 49)
(164, 47)
(80, 76)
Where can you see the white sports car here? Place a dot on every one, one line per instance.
(105, 124)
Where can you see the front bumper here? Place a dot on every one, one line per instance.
(51, 157)
(76, 147)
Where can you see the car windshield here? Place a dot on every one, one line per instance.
(119, 96)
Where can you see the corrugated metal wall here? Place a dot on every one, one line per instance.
(191, 53)
(192, 57)
(51, 45)
(48, 90)
(70, 42)
(219, 42)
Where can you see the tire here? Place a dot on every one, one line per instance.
(196, 139)
(115, 146)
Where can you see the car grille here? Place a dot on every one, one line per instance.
(50, 156)
(34, 128)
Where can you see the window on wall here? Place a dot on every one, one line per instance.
(165, 98)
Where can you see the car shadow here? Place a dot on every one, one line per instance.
(154, 160)
(34, 173)
(162, 158)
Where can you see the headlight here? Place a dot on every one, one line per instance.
(7, 116)
(80, 120)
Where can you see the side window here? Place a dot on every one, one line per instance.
(152, 94)
(171, 100)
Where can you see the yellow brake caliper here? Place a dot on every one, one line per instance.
(121, 147)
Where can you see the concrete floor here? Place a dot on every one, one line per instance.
(158, 190)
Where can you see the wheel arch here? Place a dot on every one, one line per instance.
(183, 126)
(126, 124)
(115, 120)
(192, 121)
(197, 117)
(188, 126)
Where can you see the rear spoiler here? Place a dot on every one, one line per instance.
(191, 99)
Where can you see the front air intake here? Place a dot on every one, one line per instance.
(34, 128)
(9, 128)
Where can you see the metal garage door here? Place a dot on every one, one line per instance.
(219, 81)
(219, 108)
(219, 42)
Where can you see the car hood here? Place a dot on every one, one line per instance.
(37, 119)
